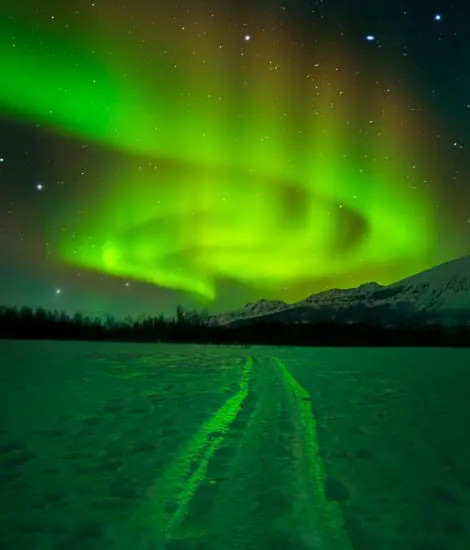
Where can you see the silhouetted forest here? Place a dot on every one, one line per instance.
(194, 327)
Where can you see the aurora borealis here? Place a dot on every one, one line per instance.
(224, 155)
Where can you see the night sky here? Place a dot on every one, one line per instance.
(215, 153)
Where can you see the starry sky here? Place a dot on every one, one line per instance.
(210, 153)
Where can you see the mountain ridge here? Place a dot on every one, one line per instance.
(440, 295)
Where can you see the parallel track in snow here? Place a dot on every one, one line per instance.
(250, 477)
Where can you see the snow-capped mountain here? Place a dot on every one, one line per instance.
(262, 307)
(438, 295)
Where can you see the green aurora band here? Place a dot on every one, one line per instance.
(265, 184)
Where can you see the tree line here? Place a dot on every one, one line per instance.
(197, 327)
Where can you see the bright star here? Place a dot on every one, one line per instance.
(39, 186)
(438, 17)
(247, 37)
(370, 37)
(58, 291)
(2, 159)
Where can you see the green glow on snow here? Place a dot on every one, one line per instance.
(323, 516)
(178, 484)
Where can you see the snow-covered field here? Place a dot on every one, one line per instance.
(143, 446)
